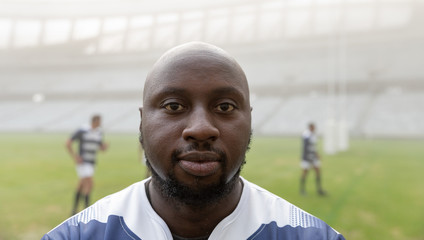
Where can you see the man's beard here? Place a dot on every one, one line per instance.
(203, 195)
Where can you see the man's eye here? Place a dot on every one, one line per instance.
(174, 107)
(225, 107)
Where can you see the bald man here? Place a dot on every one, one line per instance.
(195, 129)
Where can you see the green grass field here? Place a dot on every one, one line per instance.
(376, 189)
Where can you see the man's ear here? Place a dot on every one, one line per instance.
(141, 115)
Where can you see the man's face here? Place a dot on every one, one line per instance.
(196, 123)
(312, 128)
(95, 123)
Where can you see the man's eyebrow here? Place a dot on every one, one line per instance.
(226, 91)
(171, 90)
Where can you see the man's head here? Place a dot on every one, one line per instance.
(95, 121)
(196, 122)
(311, 127)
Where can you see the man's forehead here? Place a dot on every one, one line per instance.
(191, 61)
(195, 59)
(193, 48)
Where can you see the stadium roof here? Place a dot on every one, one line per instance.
(143, 25)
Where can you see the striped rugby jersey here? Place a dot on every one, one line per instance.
(309, 151)
(89, 142)
(128, 215)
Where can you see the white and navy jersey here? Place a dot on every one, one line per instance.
(128, 215)
(89, 142)
(309, 152)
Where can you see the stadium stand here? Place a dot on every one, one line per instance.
(304, 62)
(396, 114)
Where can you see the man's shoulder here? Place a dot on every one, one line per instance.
(279, 219)
(273, 231)
(106, 217)
(114, 228)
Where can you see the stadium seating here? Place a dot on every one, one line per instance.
(358, 62)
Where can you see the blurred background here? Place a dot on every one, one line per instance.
(354, 67)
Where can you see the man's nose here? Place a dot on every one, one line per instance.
(200, 126)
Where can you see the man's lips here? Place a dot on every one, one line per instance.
(199, 164)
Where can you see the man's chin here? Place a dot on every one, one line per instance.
(197, 195)
(200, 193)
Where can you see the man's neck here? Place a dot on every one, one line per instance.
(176, 237)
(193, 221)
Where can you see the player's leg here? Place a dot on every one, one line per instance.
(303, 181)
(85, 172)
(79, 190)
(88, 187)
(305, 169)
(318, 180)
(88, 182)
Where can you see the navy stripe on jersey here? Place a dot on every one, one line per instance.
(115, 228)
(271, 231)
